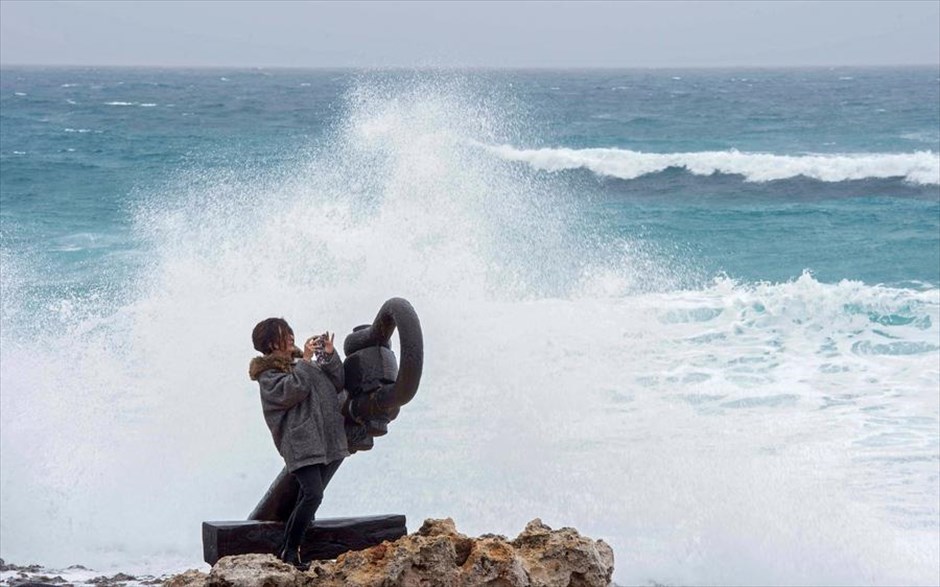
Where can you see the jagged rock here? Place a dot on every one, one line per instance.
(428, 557)
(437, 555)
(563, 557)
(4, 566)
(114, 581)
(191, 578)
(493, 561)
(254, 570)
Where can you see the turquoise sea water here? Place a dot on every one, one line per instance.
(81, 147)
(695, 313)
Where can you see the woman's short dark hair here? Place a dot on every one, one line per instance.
(268, 334)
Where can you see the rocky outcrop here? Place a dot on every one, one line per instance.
(191, 578)
(437, 555)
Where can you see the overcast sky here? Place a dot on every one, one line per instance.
(503, 34)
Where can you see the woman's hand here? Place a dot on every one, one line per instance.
(327, 341)
(319, 344)
(311, 347)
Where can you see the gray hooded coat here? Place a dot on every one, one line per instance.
(301, 406)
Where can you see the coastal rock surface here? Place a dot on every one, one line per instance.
(435, 555)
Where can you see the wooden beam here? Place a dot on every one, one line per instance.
(325, 539)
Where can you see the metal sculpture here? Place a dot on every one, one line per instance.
(376, 387)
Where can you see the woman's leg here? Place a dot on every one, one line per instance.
(313, 480)
(290, 521)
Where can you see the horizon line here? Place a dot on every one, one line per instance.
(464, 67)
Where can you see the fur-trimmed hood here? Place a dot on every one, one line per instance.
(264, 363)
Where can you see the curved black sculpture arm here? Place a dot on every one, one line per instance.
(396, 312)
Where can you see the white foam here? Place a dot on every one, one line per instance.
(921, 167)
(147, 105)
(81, 576)
(120, 103)
(922, 136)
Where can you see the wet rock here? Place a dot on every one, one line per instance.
(114, 581)
(36, 581)
(4, 566)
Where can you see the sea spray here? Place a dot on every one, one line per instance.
(113, 403)
(719, 432)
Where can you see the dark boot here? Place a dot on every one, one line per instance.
(292, 557)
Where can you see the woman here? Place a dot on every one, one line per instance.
(299, 397)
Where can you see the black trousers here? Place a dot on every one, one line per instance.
(313, 480)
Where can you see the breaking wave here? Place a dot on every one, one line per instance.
(921, 167)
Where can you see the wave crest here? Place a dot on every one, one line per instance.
(921, 167)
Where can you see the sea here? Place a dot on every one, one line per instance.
(693, 313)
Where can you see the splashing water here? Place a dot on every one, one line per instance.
(713, 432)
